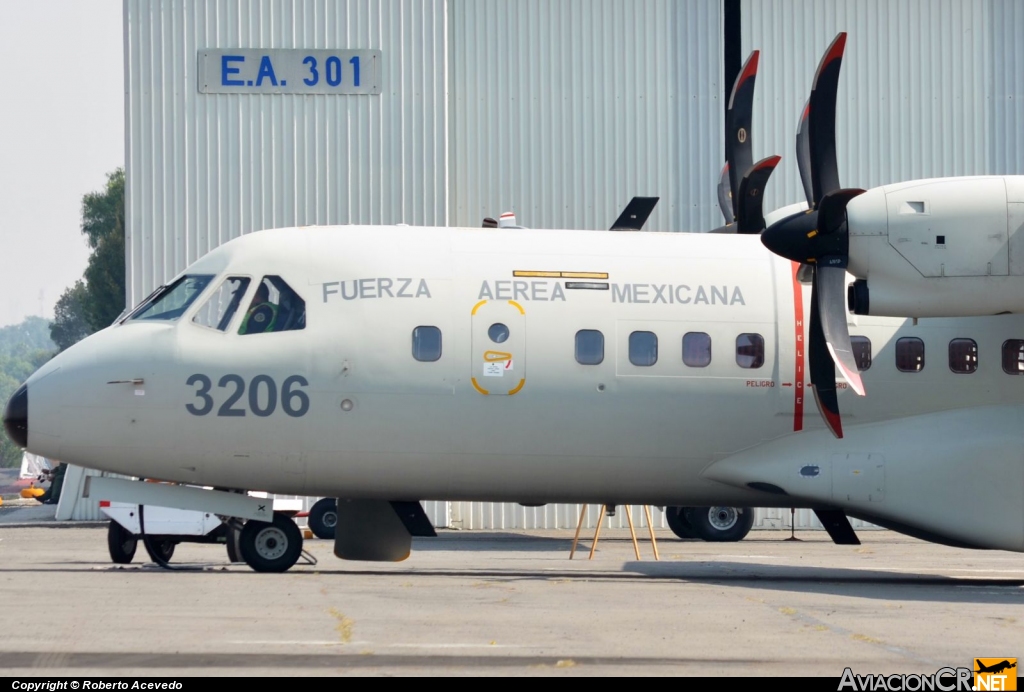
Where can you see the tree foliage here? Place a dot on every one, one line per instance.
(103, 212)
(70, 324)
(103, 226)
(94, 304)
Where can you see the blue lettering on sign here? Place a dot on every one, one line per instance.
(314, 76)
(266, 71)
(226, 70)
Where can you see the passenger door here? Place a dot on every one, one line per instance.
(498, 360)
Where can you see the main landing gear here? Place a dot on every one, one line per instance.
(323, 518)
(713, 524)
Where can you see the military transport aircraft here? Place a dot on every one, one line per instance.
(387, 365)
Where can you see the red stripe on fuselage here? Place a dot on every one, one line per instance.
(798, 349)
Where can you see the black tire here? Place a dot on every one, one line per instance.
(120, 543)
(271, 546)
(323, 518)
(676, 519)
(232, 537)
(161, 550)
(720, 524)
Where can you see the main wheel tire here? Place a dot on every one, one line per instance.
(271, 546)
(159, 551)
(720, 524)
(323, 518)
(676, 519)
(120, 543)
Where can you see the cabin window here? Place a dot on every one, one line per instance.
(170, 302)
(223, 304)
(750, 350)
(426, 344)
(963, 356)
(696, 349)
(909, 354)
(589, 347)
(861, 352)
(275, 307)
(1013, 356)
(643, 349)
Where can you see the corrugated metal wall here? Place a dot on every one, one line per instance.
(205, 168)
(495, 516)
(1006, 114)
(928, 88)
(562, 110)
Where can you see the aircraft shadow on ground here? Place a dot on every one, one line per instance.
(838, 581)
(496, 541)
(855, 583)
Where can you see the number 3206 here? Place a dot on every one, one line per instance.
(262, 400)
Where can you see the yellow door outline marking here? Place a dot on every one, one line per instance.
(496, 356)
(477, 307)
(518, 387)
(517, 306)
(479, 388)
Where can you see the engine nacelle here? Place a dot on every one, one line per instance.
(945, 247)
(953, 477)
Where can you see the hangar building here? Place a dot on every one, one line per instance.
(442, 112)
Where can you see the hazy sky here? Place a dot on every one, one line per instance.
(61, 131)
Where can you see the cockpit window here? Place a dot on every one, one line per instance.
(274, 308)
(223, 304)
(169, 302)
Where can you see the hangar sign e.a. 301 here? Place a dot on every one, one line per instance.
(289, 71)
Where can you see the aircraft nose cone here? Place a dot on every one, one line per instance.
(793, 237)
(16, 417)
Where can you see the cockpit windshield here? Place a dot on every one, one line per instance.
(169, 302)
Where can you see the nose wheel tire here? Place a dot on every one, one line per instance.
(676, 519)
(270, 546)
(720, 524)
(232, 536)
(159, 551)
(323, 518)
(120, 543)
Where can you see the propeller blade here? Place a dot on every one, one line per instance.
(830, 288)
(821, 119)
(750, 212)
(725, 195)
(822, 369)
(803, 154)
(738, 119)
(635, 215)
